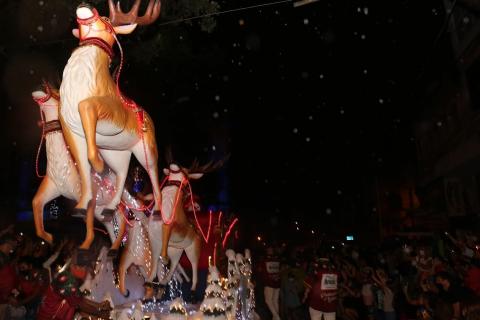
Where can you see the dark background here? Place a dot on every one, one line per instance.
(313, 103)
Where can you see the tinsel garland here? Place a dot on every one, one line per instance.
(213, 294)
(213, 313)
(178, 310)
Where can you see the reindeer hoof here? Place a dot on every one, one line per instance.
(112, 253)
(83, 257)
(156, 215)
(97, 163)
(191, 298)
(108, 214)
(79, 213)
(127, 294)
(164, 260)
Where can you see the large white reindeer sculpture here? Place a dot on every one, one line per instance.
(98, 122)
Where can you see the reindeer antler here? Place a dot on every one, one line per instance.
(208, 167)
(118, 17)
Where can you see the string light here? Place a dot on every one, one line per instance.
(227, 234)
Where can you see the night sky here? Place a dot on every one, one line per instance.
(312, 103)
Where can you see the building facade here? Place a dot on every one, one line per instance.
(447, 132)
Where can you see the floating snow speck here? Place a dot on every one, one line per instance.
(40, 3)
(342, 111)
(216, 115)
(439, 123)
(214, 148)
(241, 22)
(310, 117)
(365, 71)
(307, 139)
(31, 71)
(40, 28)
(322, 76)
(380, 101)
(328, 211)
(365, 11)
(339, 192)
(363, 37)
(217, 98)
(305, 21)
(295, 130)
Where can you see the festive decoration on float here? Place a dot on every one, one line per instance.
(101, 126)
(213, 306)
(177, 310)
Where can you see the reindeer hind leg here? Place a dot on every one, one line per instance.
(45, 193)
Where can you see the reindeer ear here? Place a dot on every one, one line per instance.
(166, 171)
(195, 175)
(76, 33)
(125, 29)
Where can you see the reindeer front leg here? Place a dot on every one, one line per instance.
(125, 261)
(89, 220)
(166, 233)
(78, 148)
(121, 231)
(118, 161)
(45, 193)
(89, 116)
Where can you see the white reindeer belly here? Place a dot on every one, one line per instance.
(124, 140)
(60, 166)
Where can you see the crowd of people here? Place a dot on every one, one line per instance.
(434, 276)
(37, 282)
(429, 276)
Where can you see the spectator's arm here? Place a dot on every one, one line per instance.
(7, 230)
(47, 264)
(456, 310)
(34, 295)
(350, 291)
(413, 302)
(101, 310)
(307, 292)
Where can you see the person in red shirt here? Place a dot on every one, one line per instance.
(270, 274)
(321, 292)
(472, 278)
(32, 283)
(63, 298)
(7, 271)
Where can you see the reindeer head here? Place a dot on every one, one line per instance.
(91, 25)
(177, 173)
(47, 99)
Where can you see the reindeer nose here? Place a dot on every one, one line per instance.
(84, 11)
(174, 167)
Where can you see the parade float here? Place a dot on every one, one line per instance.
(91, 129)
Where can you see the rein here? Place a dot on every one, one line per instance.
(46, 127)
